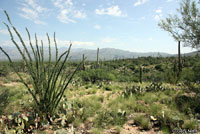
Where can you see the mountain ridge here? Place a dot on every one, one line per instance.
(76, 53)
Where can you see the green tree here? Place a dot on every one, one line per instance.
(185, 26)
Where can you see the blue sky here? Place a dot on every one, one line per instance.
(123, 24)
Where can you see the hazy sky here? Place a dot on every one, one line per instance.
(124, 24)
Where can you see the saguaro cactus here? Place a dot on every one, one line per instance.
(179, 58)
(140, 74)
(97, 57)
(83, 62)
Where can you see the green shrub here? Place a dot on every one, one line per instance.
(91, 106)
(149, 98)
(125, 104)
(155, 109)
(188, 104)
(97, 131)
(94, 75)
(109, 118)
(108, 88)
(142, 121)
(159, 68)
(196, 69)
(189, 125)
(4, 70)
(140, 108)
(187, 75)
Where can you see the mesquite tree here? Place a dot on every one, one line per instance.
(49, 81)
(185, 26)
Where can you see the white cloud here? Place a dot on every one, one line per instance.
(98, 27)
(159, 11)
(67, 11)
(169, 0)
(158, 14)
(32, 11)
(108, 40)
(80, 43)
(62, 17)
(62, 4)
(60, 42)
(63, 43)
(28, 13)
(40, 22)
(112, 11)
(140, 2)
(35, 6)
(4, 31)
(79, 14)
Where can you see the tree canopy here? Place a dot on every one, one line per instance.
(185, 26)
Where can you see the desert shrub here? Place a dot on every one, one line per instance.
(171, 76)
(4, 70)
(127, 77)
(140, 108)
(188, 104)
(109, 118)
(95, 75)
(142, 121)
(192, 87)
(4, 99)
(155, 109)
(164, 99)
(108, 88)
(196, 69)
(149, 98)
(189, 125)
(125, 104)
(91, 106)
(187, 75)
(132, 67)
(146, 70)
(97, 131)
(159, 67)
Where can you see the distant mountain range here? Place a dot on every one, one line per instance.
(91, 54)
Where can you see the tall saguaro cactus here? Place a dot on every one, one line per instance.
(97, 57)
(83, 62)
(49, 82)
(140, 74)
(179, 58)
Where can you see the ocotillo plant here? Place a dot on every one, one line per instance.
(24, 63)
(140, 74)
(97, 57)
(49, 83)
